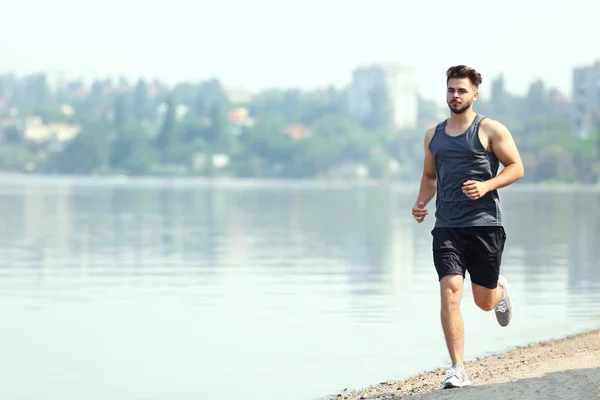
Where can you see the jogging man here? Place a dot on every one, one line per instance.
(462, 156)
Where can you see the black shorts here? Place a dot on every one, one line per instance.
(476, 249)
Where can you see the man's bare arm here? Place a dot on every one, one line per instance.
(429, 178)
(505, 149)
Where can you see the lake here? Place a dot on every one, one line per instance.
(150, 289)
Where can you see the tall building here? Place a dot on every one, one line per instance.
(400, 84)
(586, 98)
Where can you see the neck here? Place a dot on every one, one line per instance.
(462, 119)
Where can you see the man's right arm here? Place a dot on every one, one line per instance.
(429, 179)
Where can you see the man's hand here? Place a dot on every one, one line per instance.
(475, 189)
(419, 211)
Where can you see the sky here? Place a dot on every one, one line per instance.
(258, 44)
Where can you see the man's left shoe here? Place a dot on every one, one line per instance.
(505, 308)
(456, 377)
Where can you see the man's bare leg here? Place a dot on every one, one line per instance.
(451, 287)
(496, 299)
(485, 298)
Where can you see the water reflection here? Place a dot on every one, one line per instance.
(317, 282)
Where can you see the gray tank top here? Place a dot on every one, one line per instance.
(458, 159)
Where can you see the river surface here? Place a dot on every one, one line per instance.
(154, 290)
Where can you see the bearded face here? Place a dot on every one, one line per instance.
(460, 95)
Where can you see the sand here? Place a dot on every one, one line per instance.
(561, 369)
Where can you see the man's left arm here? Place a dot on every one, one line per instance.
(503, 146)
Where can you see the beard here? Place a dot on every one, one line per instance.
(459, 108)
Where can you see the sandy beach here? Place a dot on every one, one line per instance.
(561, 369)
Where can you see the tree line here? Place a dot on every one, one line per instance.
(201, 129)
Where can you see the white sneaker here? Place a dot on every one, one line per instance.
(456, 377)
(505, 308)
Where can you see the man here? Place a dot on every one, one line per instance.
(462, 156)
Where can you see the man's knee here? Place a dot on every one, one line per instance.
(484, 298)
(486, 303)
(451, 287)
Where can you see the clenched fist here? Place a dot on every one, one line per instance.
(475, 189)
(419, 211)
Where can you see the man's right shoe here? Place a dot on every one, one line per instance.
(505, 308)
(456, 377)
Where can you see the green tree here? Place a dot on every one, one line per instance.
(381, 111)
(163, 139)
(87, 153)
(131, 151)
(268, 141)
(140, 100)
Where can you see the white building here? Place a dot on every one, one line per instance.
(400, 82)
(36, 131)
(586, 97)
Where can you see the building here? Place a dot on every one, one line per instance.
(296, 131)
(400, 82)
(36, 131)
(586, 98)
(240, 119)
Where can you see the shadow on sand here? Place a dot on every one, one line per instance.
(576, 384)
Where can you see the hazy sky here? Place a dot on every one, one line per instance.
(261, 43)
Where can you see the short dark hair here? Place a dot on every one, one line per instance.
(462, 71)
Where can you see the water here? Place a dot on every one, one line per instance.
(240, 291)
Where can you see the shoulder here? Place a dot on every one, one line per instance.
(431, 132)
(493, 127)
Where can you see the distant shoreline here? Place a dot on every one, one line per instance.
(568, 367)
(265, 182)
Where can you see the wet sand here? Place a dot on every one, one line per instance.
(560, 369)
